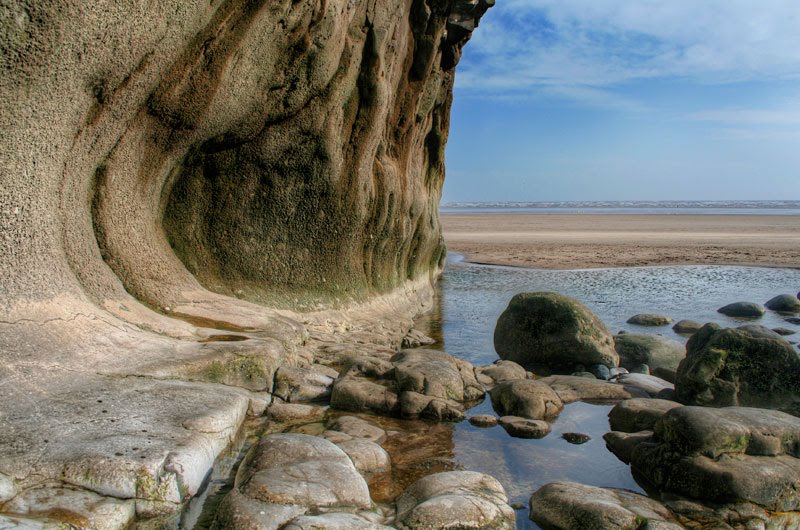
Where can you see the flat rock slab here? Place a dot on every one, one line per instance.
(80, 508)
(651, 384)
(123, 437)
(288, 475)
(455, 499)
(569, 506)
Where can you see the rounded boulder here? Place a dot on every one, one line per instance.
(550, 329)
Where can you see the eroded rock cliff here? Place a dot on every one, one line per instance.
(174, 171)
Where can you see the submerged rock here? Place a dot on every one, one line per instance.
(742, 310)
(726, 367)
(570, 506)
(576, 438)
(652, 350)
(686, 327)
(456, 499)
(553, 330)
(785, 303)
(784, 332)
(524, 427)
(483, 420)
(648, 319)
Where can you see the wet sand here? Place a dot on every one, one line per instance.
(578, 241)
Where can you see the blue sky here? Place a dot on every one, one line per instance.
(621, 99)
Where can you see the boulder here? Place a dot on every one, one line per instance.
(793, 320)
(569, 506)
(784, 332)
(524, 427)
(686, 327)
(742, 310)
(648, 319)
(570, 388)
(455, 499)
(554, 330)
(527, 398)
(759, 331)
(725, 367)
(652, 350)
(502, 371)
(639, 414)
(288, 475)
(729, 455)
(785, 303)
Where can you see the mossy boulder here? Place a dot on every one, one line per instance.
(550, 329)
(729, 367)
(652, 350)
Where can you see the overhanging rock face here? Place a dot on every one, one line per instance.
(174, 171)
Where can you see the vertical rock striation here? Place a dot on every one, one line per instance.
(170, 173)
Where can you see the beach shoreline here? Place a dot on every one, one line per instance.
(590, 241)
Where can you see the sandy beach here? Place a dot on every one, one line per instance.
(575, 241)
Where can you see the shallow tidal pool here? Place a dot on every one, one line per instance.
(472, 297)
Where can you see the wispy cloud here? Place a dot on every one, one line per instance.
(581, 49)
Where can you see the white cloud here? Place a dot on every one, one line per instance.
(564, 45)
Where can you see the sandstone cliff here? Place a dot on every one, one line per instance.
(178, 179)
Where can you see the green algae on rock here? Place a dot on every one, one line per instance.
(551, 329)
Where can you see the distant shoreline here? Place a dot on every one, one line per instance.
(599, 240)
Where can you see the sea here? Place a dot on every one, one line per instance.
(787, 207)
